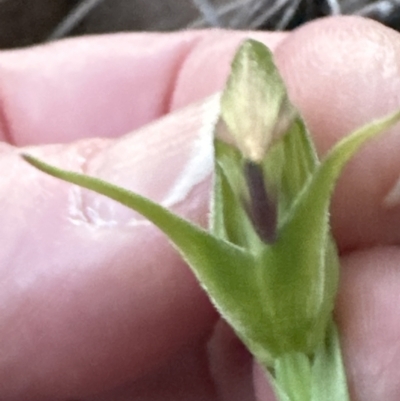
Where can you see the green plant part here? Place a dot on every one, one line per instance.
(269, 263)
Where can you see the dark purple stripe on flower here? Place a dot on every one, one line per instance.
(262, 209)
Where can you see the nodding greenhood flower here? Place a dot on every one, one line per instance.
(269, 264)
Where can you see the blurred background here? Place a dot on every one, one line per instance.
(23, 23)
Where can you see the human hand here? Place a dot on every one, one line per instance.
(95, 303)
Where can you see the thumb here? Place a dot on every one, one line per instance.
(87, 286)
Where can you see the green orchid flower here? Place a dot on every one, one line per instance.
(269, 263)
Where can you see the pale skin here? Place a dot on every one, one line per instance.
(97, 311)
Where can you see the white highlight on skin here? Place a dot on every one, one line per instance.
(75, 206)
(82, 212)
(88, 209)
(90, 213)
(200, 163)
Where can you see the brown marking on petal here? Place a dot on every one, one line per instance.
(261, 209)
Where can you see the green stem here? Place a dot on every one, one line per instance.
(319, 377)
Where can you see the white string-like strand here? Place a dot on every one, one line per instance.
(382, 8)
(208, 12)
(222, 11)
(266, 12)
(334, 7)
(288, 15)
(76, 15)
(242, 15)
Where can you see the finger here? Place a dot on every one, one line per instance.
(184, 377)
(102, 86)
(342, 73)
(95, 295)
(367, 312)
(92, 295)
(230, 364)
(262, 386)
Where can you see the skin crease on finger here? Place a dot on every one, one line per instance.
(33, 321)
